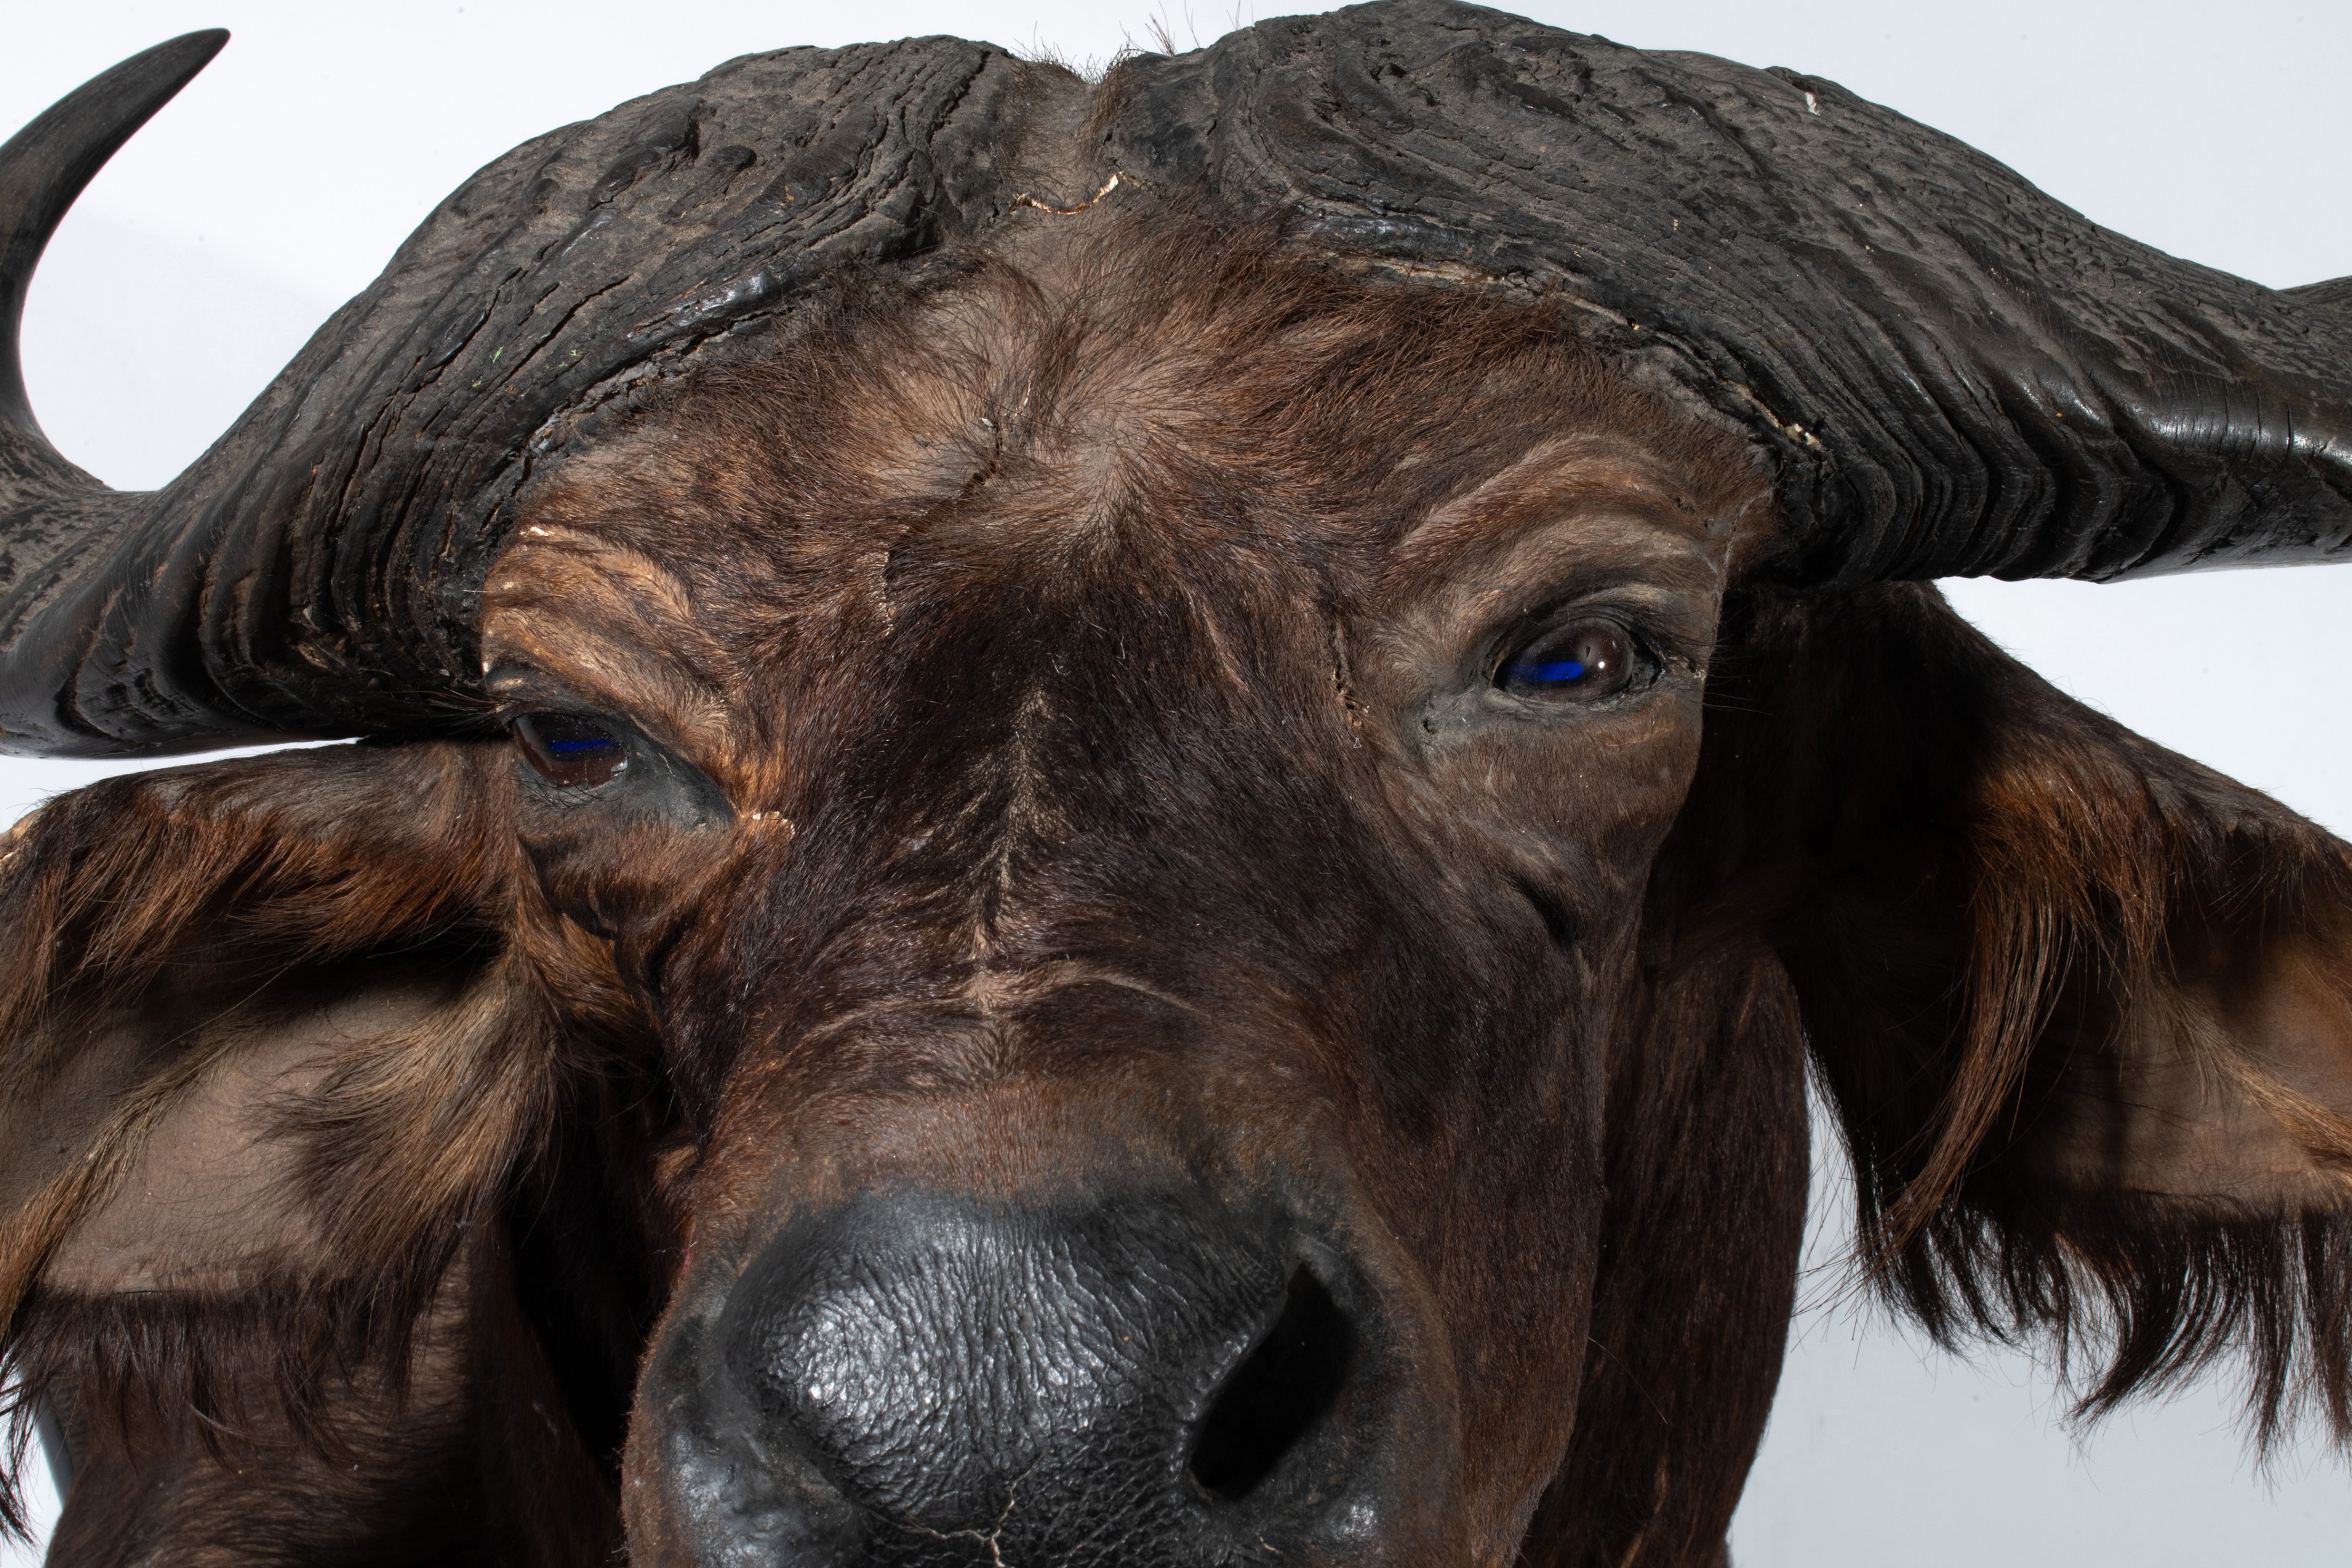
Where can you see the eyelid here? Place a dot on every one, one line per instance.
(512, 709)
(508, 711)
(1537, 625)
(594, 748)
(1515, 673)
(1651, 633)
(518, 688)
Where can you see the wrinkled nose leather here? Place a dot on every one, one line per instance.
(1000, 1385)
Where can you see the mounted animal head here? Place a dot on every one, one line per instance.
(1103, 823)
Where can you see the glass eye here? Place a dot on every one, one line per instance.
(569, 750)
(1577, 663)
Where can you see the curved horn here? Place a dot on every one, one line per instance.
(317, 572)
(46, 166)
(48, 506)
(1959, 375)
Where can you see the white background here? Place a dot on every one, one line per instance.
(280, 182)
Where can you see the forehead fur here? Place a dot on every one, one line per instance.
(1085, 381)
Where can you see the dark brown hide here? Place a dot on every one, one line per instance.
(1065, 760)
(1109, 813)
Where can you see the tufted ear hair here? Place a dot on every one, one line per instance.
(276, 1035)
(2084, 1007)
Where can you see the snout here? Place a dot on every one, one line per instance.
(919, 1378)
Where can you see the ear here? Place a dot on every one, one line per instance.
(2084, 1007)
(275, 1035)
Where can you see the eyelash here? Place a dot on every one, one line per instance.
(1642, 648)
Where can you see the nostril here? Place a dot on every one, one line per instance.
(1289, 1381)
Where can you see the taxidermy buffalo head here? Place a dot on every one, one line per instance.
(1103, 825)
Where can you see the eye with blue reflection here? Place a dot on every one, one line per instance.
(570, 750)
(1575, 663)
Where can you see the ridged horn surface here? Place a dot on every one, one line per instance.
(317, 572)
(1952, 373)
(51, 511)
(1957, 375)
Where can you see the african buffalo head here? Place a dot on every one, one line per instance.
(1103, 825)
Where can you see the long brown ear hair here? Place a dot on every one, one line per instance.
(2084, 1007)
(276, 1036)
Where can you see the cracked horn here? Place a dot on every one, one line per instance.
(1952, 373)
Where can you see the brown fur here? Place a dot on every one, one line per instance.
(190, 914)
(451, 1458)
(2017, 927)
(1044, 787)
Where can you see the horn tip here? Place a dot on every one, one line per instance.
(176, 60)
